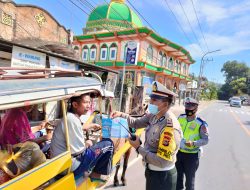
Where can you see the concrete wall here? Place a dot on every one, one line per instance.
(29, 22)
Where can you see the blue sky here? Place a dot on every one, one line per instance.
(225, 26)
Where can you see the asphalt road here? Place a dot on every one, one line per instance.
(225, 164)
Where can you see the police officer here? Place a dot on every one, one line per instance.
(195, 135)
(162, 139)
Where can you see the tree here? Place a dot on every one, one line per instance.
(239, 86)
(210, 92)
(234, 70)
(236, 74)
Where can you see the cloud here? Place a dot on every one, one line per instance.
(225, 24)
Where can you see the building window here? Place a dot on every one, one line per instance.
(113, 52)
(104, 52)
(150, 54)
(164, 60)
(159, 59)
(85, 52)
(93, 53)
(171, 63)
(184, 68)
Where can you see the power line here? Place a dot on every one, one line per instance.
(199, 25)
(141, 15)
(190, 25)
(117, 13)
(178, 23)
(103, 26)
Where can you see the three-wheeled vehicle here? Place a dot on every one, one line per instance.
(52, 92)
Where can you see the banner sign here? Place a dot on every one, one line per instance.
(131, 52)
(56, 63)
(22, 57)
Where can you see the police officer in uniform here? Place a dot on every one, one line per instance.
(195, 135)
(162, 139)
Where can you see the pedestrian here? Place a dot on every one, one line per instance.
(162, 139)
(195, 135)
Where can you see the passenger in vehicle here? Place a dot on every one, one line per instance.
(93, 161)
(23, 157)
(15, 128)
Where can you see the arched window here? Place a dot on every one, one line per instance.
(171, 63)
(150, 54)
(104, 52)
(164, 60)
(159, 62)
(93, 52)
(176, 63)
(113, 51)
(85, 52)
(184, 68)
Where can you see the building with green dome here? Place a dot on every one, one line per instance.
(115, 16)
(104, 42)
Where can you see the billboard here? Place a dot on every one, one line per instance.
(131, 53)
(56, 63)
(26, 58)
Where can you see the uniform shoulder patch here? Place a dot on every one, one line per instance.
(169, 122)
(182, 116)
(202, 121)
(167, 145)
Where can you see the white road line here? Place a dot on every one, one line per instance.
(220, 109)
(242, 112)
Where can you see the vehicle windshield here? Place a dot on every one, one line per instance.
(237, 99)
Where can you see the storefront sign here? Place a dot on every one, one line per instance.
(192, 84)
(131, 53)
(56, 63)
(22, 57)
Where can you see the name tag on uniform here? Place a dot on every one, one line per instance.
(167, 144)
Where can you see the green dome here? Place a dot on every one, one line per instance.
(113, 15)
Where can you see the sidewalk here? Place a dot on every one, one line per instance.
(180, 109)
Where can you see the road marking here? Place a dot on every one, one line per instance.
(131, 163)
(242, 112)
(240, 123)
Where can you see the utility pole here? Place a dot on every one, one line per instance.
(201, 72)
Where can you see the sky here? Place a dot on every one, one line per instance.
(200, 26)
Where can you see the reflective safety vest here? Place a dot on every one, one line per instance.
(191, 132)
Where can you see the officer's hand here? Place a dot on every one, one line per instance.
(115, 114)
(189, 143)
(135, 143)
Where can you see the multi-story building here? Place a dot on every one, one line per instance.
(104, 42)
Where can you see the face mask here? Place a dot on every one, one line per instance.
(190, 112)
(153, 109)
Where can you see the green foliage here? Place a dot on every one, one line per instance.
(234, 70)
(210, 92)
(236, 74)
(239, 86)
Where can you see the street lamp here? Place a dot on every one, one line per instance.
(201, 71)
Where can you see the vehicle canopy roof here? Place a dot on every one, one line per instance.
(16, 93)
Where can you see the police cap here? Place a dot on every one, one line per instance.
(159, 91)
(189, 102)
